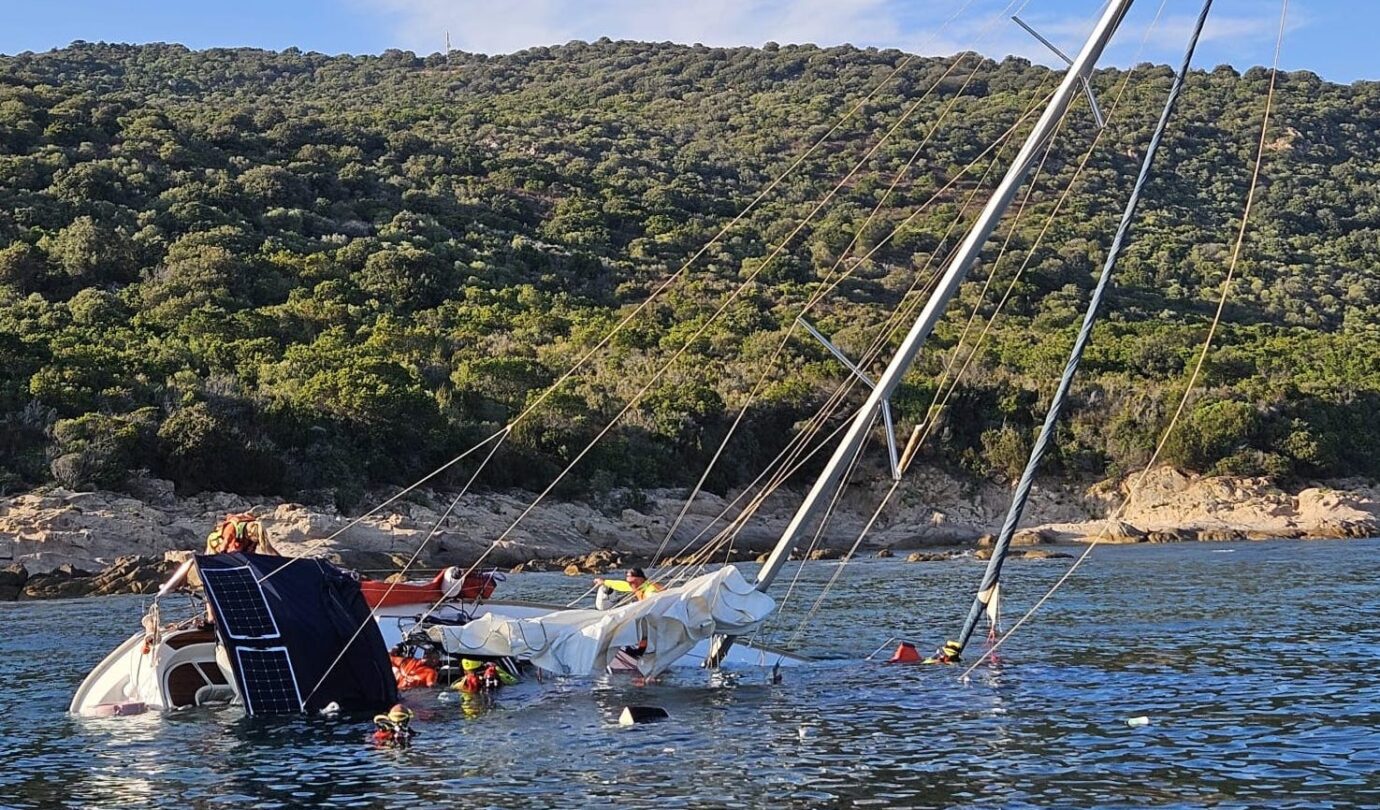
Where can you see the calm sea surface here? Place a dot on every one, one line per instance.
(1257, 664)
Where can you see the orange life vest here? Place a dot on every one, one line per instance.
(413, 672)
(471, 683)
(240, 532)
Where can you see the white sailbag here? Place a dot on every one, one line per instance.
(585, 642)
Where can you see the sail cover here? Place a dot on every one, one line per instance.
(284, 634)
(585, 642)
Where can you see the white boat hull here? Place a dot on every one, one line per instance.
(180, 670)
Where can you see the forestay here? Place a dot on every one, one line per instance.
(585, 642)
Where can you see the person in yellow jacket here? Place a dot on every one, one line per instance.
(635, 583)
(483, 677)
(948, 654)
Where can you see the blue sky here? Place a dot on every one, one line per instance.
(1334, 38)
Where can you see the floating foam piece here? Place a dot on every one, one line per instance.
(633, 715)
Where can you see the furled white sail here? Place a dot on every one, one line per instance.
(585, 642)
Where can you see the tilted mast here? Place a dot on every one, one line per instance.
(957, 271)
(988, 591)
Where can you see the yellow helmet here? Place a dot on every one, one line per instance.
(471, 665)
(399, 713)
(952, 648)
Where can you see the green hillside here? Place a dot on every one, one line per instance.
(301, 274)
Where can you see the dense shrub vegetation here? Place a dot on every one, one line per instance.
(302, 274)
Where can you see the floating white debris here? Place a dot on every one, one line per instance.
(633, 715)
(1136, 722)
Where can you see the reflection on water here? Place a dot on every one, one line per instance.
(1258, 670)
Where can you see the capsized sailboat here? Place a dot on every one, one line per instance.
(285, 636)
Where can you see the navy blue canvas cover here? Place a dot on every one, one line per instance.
(283, 634)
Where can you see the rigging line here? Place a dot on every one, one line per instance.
(814, 541)
(908, 307)
(546, 393)
(1207, 344)
(1001, 141)
(991, 576)
(843, 563)
(1004, 140)
(500, 435)
(788, 456)
(698, 557)
(902, 315)
(828, 283)
(761, 381)
(849, 383)
(936, 406)
(816, 421)
(373, 612)
(879, 340)
(819, 295)
(877, 345)
(823, 522)
(549, 390)
(689, 342)
(992, 271)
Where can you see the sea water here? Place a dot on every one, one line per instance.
(1257, 674)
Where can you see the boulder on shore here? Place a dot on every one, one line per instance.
(1032, 537)
(129, 574)
(12, 579)
(930, 556)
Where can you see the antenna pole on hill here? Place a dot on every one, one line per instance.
(829, 480)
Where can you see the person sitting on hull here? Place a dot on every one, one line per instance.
(239, 533)
(634, 582)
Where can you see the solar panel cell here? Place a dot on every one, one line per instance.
(239, 603)
(270, 685)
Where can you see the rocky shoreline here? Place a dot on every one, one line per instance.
(56, 543)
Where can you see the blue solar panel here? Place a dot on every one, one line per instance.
(239, 603)
(270, 686)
